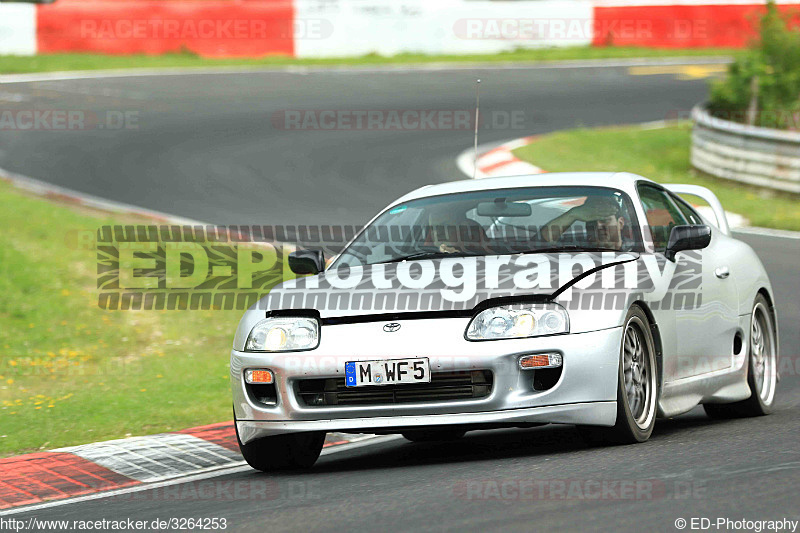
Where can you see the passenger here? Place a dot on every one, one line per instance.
(604, 221)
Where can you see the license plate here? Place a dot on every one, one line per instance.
(390, 372)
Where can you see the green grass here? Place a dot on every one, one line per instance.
(54, 62)
(73, 373)
(661, 154)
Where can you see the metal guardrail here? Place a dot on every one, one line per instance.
(749, 154)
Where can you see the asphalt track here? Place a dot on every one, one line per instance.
(206, 149)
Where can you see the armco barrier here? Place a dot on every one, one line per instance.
(210, 28)
(18, 29)
(330, 28)
(691, 24)
(390, 27)
(758, 156)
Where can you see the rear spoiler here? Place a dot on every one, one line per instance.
(708, 196)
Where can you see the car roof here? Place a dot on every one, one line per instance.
(624, 181)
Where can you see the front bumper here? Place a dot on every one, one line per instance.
(584, 394)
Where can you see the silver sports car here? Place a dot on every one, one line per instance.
(596, 299)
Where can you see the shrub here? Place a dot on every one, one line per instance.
(774, 63)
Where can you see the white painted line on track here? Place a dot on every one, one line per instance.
(43, 188)
(360, 69)
(238, 467)
(768, 232)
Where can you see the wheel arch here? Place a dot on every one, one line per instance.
(657, 344)
(764, 291)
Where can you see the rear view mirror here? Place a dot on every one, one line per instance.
(687, 238)
(307, 261)
(501, 208)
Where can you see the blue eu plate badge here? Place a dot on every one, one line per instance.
(350, 374)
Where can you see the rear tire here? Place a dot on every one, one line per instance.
(762, 369)
(434, 435)
(282, 452)
(637, 387)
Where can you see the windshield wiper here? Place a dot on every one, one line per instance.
(440, 255)
(428, 255)
(567, 248)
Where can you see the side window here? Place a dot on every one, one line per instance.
(661, 213)
(687, 211)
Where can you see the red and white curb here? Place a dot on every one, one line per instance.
(102, 468)
(501, 162)
(498, 162)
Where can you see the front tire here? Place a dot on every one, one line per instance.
(637, 386)
(292, 451)
(762, 369)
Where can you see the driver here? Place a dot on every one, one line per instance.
(599, 211)
(451, 231)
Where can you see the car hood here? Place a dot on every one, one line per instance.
(437, 285)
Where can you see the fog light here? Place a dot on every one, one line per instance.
(540, 360)
(259, 376)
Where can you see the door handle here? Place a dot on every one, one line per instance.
(722, 272)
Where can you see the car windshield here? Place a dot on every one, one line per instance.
(498, 222)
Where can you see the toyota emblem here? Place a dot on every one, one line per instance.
(391, 327)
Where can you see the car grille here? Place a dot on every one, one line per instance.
(444, 386)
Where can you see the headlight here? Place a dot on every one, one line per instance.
(283, 334)
(517, 321)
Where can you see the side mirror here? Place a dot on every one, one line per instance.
(687, 238)
(307, 261)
